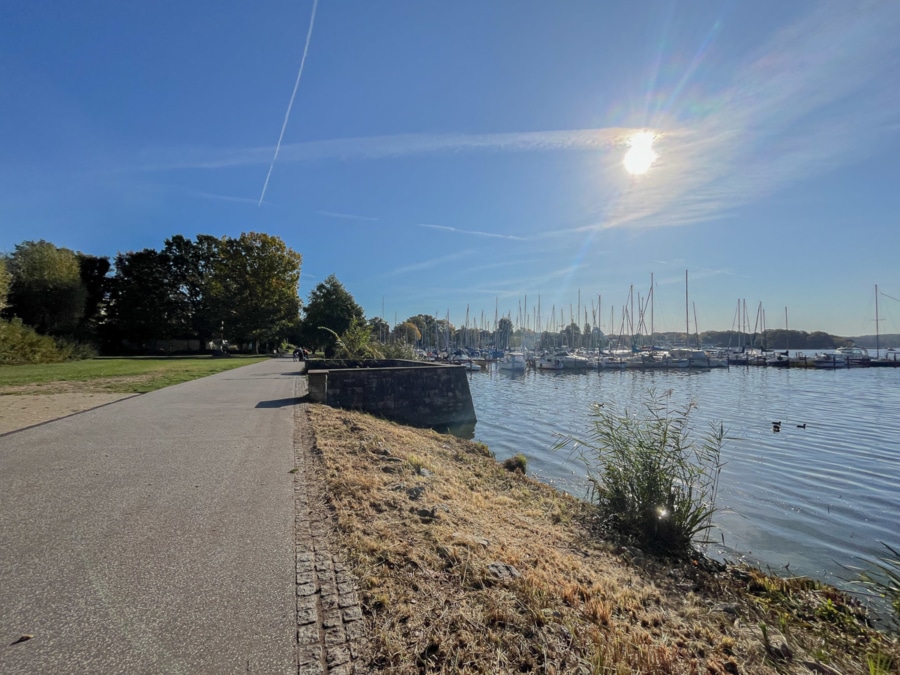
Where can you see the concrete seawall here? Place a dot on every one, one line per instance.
(411, 392)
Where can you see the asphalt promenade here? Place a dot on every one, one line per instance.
(155, 534)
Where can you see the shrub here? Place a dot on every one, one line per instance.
(355, 342)
(652, 485)
(22, 344)
(516, 463)
(398, 350)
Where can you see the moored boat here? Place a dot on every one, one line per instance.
(845, 357)
(512, 361)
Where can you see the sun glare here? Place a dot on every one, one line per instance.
(640, 155)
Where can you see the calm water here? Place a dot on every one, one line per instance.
(803, 500)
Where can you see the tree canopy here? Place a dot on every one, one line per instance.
(46, 290)
(330, 306)
(255, 288)
(4, 284)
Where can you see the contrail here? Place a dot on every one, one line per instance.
(287, 114)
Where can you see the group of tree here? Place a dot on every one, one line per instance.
(191, 290)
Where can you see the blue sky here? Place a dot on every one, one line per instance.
(440, 156)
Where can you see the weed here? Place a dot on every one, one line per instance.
(516, 463)
(879, 663)
(650, 482)
(884, 579)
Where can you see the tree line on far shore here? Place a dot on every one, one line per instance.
(242, 293)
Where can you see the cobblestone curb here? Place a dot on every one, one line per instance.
(330, 630)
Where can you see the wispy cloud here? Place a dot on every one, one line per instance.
(223, 198)
(385, 147)
(428, 264)
(812, 99)
(476, 233)
(347, 216)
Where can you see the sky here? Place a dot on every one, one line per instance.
(440, 158)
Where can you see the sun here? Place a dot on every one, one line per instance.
(640, 155)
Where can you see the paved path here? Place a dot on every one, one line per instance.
(156, 534)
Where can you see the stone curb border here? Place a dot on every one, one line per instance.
(330, 628)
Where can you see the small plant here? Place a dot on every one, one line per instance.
(879, 663)
(398, 350)
(650, 482)
(356, 341)
(884, 579)
(516, 463)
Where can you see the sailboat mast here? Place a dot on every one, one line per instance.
(877, 346)
(687, 316)
(787, 332)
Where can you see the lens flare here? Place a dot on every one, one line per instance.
(640, 155)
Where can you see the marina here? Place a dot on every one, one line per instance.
(819, 495)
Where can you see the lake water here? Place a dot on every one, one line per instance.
(804, 501)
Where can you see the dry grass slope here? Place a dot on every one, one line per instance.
(465, 567)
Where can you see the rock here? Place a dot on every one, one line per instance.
(469, 540)
(502, 571)
(426, 514)
(425, 473)
(415, 493)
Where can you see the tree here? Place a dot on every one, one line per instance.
(192, 271)
(331, 306)
(255, 288)
(504, 331)
(4, 284)
(93, 271)
(572, 335)
(407, 332)
(46, 291)
(380, 328)
(142, 306)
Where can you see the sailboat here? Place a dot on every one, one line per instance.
(890, 358)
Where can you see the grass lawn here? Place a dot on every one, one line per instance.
(124, 375)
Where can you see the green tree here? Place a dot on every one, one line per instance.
(93, 271)
(5, 278)
(255, 288)
(381, 329)
(142, 307)
(330, 306)
(504, 332)
(46, 291)
(192, 268)
(407, 332)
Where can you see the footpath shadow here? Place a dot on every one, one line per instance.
(283, 402)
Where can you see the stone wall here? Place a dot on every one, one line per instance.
(411, 392)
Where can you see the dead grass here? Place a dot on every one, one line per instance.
(465, 567)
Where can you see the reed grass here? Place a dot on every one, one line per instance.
(652, 484)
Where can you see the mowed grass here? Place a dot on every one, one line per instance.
(116, 375)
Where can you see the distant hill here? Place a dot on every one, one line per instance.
(884, 341)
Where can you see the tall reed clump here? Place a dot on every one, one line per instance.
(653, 485)
(884, 579)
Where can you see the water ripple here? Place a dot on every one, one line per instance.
(815, 498)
